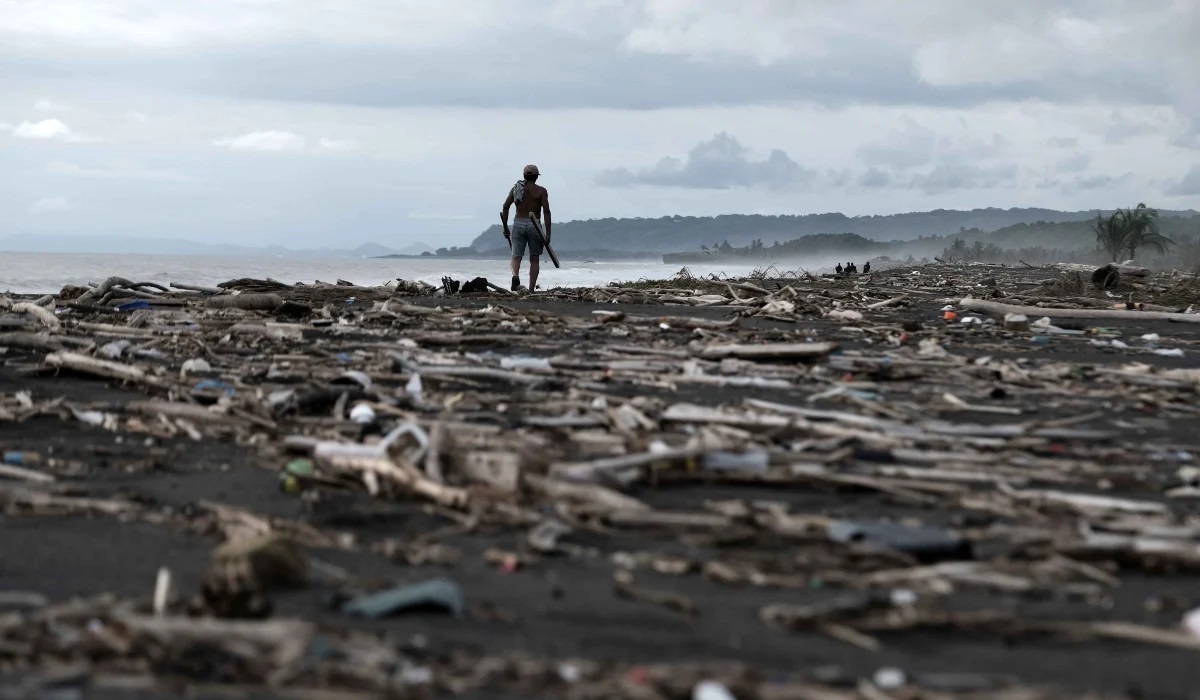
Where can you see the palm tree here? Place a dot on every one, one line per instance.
(1111, 234)
(959, 250)
(1141, 230)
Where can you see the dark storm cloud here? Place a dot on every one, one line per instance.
(563, 72)
(718, 164)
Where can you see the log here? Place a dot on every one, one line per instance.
(197, 288)
(888, 302)
(47, 317)
(30, 341)
(768, 351)
(102, 368)
(246, 302)
(998, 309)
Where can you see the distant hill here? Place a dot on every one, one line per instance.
(414, 249)
(688, 233)
(1053, 240)
(174, 246)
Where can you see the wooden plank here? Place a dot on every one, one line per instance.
(545, 241)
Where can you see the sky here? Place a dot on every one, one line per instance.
(318, 124)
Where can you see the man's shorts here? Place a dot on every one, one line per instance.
(525, 234)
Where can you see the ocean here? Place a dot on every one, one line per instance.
(44, 273)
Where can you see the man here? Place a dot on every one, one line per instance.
(867, 267)
(530, 198)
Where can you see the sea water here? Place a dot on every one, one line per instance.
(35, 273)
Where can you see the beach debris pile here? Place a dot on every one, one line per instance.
(962, 449)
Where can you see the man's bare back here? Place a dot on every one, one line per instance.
(535, 200)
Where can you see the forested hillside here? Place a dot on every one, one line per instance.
(688, 233)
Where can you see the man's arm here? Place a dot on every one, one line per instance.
(508, 202)
(546, 211)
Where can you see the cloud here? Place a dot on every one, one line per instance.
(119, 171)
(5, 126)
(972, 147)
(442, 217)
(48, 106)
(1085, 183)
(950, 177)
(45, 129)
(1098, 182)
(874, 178)
(910, 146)
(634, 54)
(47, 205)
(138, 117)
(1122, 132)
(50, 130)
(264, 141)
(1062, 142)
(335, 145)
(1074, 164)
(718, 164)
(1188, 185)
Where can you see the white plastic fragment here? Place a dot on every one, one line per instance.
(1191, 622)
(889, 678)
(413, 387)
(162, 591)
(845, 315)
(711, 690)
(195, 365)
(362, 414)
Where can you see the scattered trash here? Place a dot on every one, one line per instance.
(362, 414)
(875, 456)
(1016, 322)
(441, 594)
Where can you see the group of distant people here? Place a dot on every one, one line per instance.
(852, 269)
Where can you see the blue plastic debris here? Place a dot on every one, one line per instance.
(213, 384)
(440, 593)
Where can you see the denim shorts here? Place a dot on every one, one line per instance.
(524, 233)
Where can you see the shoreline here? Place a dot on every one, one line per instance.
(849, 404)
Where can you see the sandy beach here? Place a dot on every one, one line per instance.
(963, 454)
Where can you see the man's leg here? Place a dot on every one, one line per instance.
(535, 264)
(518, 252)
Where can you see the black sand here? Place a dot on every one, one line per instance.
(567, 608)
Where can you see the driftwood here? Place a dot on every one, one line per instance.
(560, 455)
(768, 351)
(197, 288)
(47, 317)
(105, 291)
(246, 302)
(103, 368)
(32, 341)
(998, 309)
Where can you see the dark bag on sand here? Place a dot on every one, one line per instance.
(479, 285)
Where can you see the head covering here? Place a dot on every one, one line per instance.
(530, 170)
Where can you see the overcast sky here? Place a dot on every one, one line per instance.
(290, 121)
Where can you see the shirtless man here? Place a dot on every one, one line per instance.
(530, 198)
